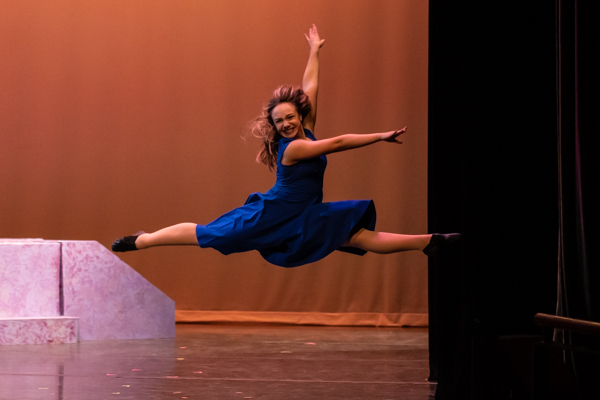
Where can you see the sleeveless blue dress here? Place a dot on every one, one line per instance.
(290, 225)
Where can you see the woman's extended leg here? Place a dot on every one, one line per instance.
(385, 243)
(180, 234)
(176, 235)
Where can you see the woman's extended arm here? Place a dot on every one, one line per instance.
(304, 149)
(310, 80)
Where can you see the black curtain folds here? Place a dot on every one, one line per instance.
(514, 128)
(578, 126)
(578, 110)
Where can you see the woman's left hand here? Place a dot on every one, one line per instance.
(314, 41)
(393, 136)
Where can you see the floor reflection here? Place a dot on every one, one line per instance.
(226, 362)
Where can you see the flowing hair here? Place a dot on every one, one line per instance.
(263, 127)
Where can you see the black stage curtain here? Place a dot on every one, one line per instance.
(493, 177)
(578, 106)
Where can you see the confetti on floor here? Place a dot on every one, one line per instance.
(80, 373)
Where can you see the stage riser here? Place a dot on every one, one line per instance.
(29, 279)
(109, 298)
(112, 300)
(38, 330)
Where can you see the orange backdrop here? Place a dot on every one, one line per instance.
(117, 116)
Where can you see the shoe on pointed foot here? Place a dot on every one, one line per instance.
(126, 243)
(439, 241)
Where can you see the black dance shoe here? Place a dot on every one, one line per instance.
(126, 243)
(439, 241)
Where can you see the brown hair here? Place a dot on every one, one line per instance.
(263, 127)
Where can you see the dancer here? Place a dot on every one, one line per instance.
(289, 224)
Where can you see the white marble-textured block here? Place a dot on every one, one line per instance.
(29, 278)
(110, 298)
(20, 240)
(38, 330)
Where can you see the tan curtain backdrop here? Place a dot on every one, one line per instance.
(117, 116)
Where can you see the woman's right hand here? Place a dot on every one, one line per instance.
(393, 136)
(314, 41)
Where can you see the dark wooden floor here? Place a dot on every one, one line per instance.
(227, 362)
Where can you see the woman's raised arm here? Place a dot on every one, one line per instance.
(304, 149)
(310, 80)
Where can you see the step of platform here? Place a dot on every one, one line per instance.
(29, 278)
(39, 330)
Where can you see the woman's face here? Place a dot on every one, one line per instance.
(287, 120)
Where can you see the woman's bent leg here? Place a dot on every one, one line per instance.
(176, 235)
(385, 243)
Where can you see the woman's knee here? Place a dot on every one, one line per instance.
(358, 239)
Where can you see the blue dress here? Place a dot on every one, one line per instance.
(290, 225)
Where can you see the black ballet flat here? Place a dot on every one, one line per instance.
(126, 243)
(439, 241)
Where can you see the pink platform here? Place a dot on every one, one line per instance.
(38, 330)
(29, 278)
(101, 297)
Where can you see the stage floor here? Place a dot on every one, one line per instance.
(227, 361)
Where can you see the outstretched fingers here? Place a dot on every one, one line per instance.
(393, 136)
(313, 38)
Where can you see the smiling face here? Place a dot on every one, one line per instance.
(287, 120)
